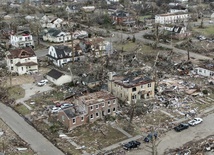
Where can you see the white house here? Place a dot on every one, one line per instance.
(171, 18)
(72, 9)
(206, 70)
(56, 36)
(58, 78)
(22, 39)
(181, 1)
(51, 22)
(60, 55)
(22, 61)
(177, 9)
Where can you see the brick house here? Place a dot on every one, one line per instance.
(131, 87)
(122, 17)
(88, 108)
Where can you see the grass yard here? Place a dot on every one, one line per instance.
(207, 31)
(96, 136)
(16, 92)
(22, 109)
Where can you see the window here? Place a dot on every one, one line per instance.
(114, 109)
(109, 103)
(22, 68)
(74, 120)
(97, 106)
(133, 96)
(11, 61)
(134, 89)
(92, 116)
(149, 85)
(109, 111)
(82, 118)
(91, 107)
(114, 101)
(11, 68)
(141, 86)
(97, 114)
(103, 104)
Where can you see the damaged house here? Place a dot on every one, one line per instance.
(131, 87)
(22, 61)
(205, 70)
(60, 55)
(88, 108)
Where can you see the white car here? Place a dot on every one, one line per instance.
(42, 82)
(55, 110)
(195, 121)
(66, 105)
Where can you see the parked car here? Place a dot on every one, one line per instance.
(195, 121)
(130, 145)
(181, 127)
(150, 136)
(66, 105)
(55, 110)
(42, 82)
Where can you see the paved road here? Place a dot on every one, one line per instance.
(174, 139)
(37, 142)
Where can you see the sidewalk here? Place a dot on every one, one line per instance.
(199, 115)
(119, 144)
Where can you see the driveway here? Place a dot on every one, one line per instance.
(174, 139)
(32, 89)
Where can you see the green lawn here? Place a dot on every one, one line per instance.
(207, 31)
(16, 92)
(22, 109)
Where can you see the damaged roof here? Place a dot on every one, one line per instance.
(131, 81)
(96, 97)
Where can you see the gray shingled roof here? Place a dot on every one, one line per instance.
(55, 74)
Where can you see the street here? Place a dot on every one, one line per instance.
(36, 140)
(174, 139)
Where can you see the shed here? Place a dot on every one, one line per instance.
(57, 77)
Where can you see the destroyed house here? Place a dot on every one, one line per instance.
(131, 87)
(205, 70)
(88, 108)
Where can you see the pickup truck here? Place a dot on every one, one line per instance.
(181, 127)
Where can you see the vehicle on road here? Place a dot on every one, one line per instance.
(131, 145)
(150, 136)
(42, 82)
(195, 121)
(181, 127)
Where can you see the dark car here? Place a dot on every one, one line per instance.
(181, 127)
(150, 136)
(130, 145)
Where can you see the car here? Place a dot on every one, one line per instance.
(195, 121)
(181, 127)
(55, 110)
(150, 136)
(42, 82)
(132, 144)
(66, 105)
